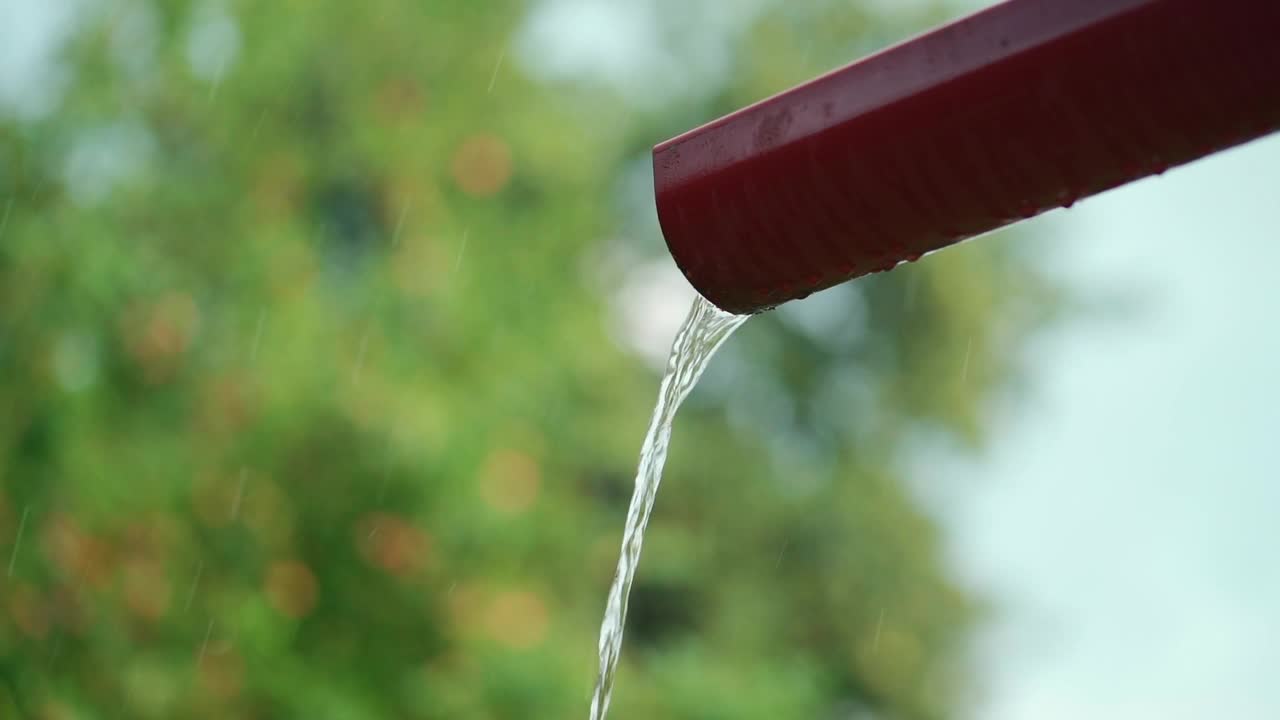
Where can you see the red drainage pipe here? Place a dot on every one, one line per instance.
(1016, 110)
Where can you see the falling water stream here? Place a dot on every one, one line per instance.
(703, 332)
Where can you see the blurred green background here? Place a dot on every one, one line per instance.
(324, 367)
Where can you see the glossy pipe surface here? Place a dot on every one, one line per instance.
(1024, 107)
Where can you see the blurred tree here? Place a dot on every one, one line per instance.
(310, 411)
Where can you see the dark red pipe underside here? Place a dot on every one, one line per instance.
(1019, 109)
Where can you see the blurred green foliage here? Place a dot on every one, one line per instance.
(310, 410)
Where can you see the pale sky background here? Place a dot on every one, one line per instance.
(1125, 516)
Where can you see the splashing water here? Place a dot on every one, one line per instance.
(702, 333)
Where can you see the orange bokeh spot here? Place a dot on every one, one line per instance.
(389, 542)
(226, 404)
(76, 553)
(157, 335)
(510, 481)
(517, 619)
(29, 612)
(291, 588)
(147, 589)
(69, 610)
(220, 671)
(57, 710)
(482, 165)
(266, 510)
(152, 535)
